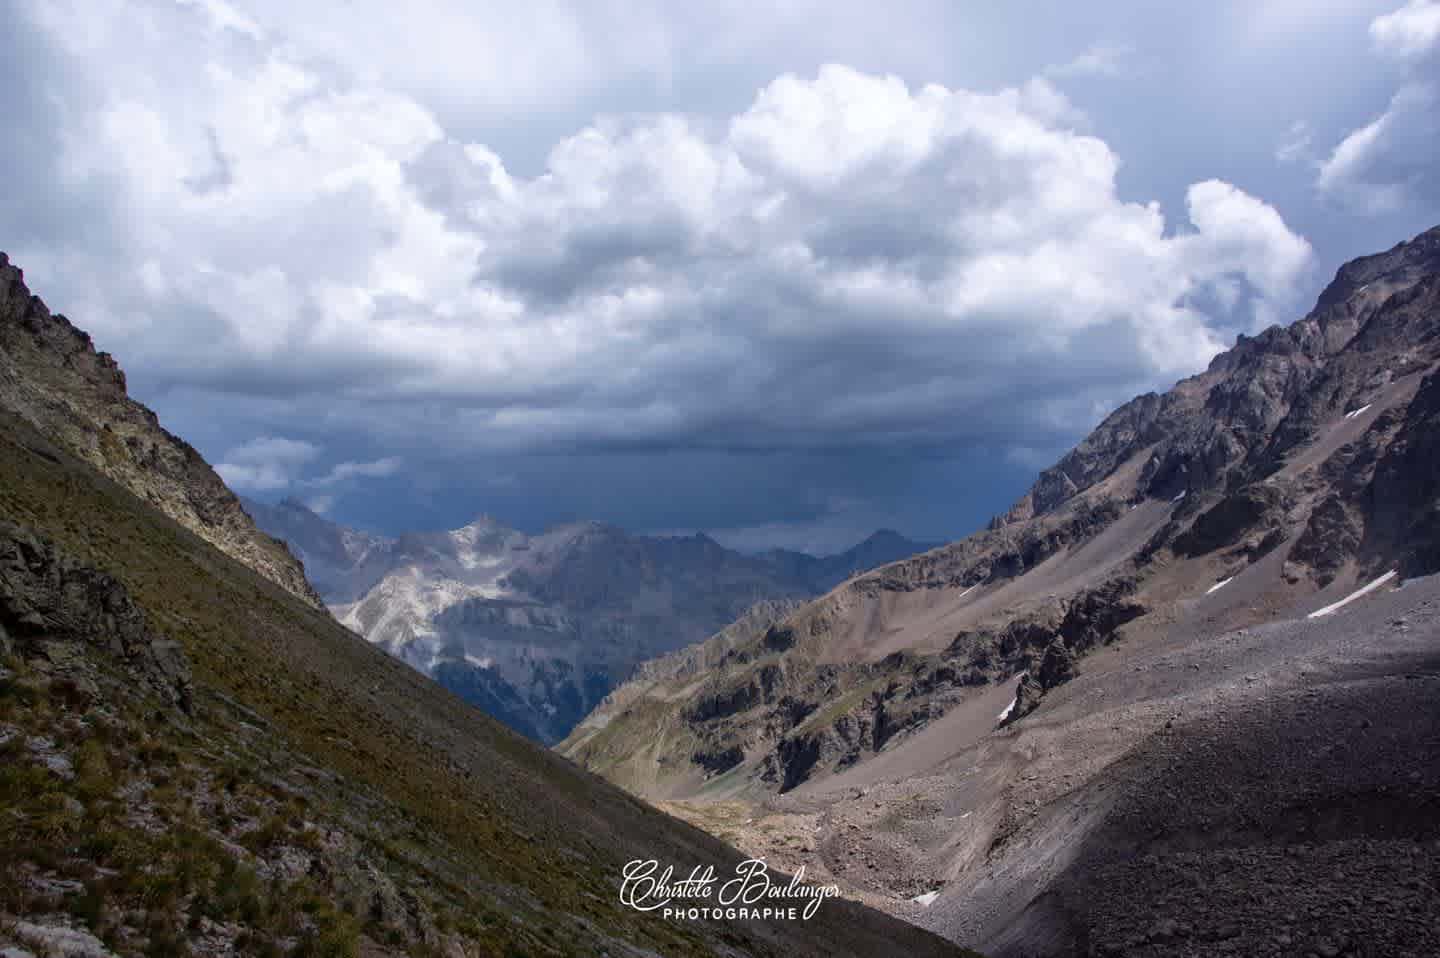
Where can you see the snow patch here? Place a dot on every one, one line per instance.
(1180, 495)
(1008, 709)
(1354, 413)
(1219, 585)
(926, 898)
(1364, 590)
(967, 591)
(479, 662)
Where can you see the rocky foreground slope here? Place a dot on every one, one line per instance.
(536, 630)
(980, 737)
(52, 377)
(195, 760)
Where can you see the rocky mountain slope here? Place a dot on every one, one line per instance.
(195, 760)
(962, 727)
(536, 630)
(52, 377)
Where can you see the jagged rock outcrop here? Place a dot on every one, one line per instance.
(51, 606)
(52, 376)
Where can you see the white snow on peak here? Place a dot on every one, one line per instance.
(1008, 709)
(1364, 590)
(926, 898)
(473, 560)
(1356, 412)
(409, 598)
(358, 545)
(1219, 585)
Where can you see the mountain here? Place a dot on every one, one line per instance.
(341, 563)
(194, 759)
(825, 572)
(1174, 682)
(52, 377)
(536, 630)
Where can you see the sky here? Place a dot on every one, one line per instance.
(784, 273)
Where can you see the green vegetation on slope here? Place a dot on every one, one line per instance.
(318, 792)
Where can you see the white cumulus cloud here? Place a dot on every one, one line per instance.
(1390, 162)
(275, 463)
(848, 259)
(1409, 32)
(266, 464)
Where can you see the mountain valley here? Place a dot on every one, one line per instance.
(660, 480)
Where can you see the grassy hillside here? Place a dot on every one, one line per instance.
(318, 796)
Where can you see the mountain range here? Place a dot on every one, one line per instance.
(536, 630)
(1097, 726)
(1182, 698)
(198, 759)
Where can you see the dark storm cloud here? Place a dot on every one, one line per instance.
(32, 208)
(757, 294)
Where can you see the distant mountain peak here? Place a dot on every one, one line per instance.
(558, 618)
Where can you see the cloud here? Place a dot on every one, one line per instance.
(1390, 162)
(1098, 60)
(321, 505)
(343, 471)
(851, 250)
(845, 260)
(1242, 236)
(273, 463)
(1298, 144)
(266, 464)
(1410, 32)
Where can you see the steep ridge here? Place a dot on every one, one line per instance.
(536, 630)
(195, 760)
(1314, 442)
(52, 377)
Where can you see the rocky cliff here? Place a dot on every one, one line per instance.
(52, 377)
